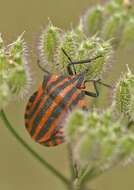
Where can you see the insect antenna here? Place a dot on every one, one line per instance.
(70, 60)
(86, 60)
(104, 84)
(42, 68)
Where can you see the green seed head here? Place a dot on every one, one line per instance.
(99, 140)
(93, 20)
(125, 149)
(112, 7)
(128, 33)
(14, 72)
(74, 124)
(49, 41)
(124, 96)
(70, 44)
(87, 150)
(5, 95)
(19, 78)
(113, 28)
(95, 49)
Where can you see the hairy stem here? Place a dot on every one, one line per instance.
(33, 152)
(73, 167)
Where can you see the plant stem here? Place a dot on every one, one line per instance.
(33, 152)
(89, 175)
(73, 166)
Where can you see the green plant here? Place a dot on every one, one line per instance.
(97, 141)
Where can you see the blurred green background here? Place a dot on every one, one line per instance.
(18, 170)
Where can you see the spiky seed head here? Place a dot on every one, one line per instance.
(48, 44)
(19, 74)
(124, 99)
(93, 20)
(74, 125)
(91, 48)
(127, 34)
(112, 28)
(70, 43)
(15, 77)
(125, 148)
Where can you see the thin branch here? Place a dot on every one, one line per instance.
(33, 152)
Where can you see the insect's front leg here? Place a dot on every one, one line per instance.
(69, 69)
(93, 94)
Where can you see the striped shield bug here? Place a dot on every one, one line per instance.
(47, 108)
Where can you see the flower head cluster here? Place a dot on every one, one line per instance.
(78, 47)
(99, 140)
(113, 20)
(14, 71)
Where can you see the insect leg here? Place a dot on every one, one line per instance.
(93, 94)
(42, 68)
(96, 94)
(80, 82)
(72, 63)
(86, 60)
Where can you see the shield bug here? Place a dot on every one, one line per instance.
(48, 107)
